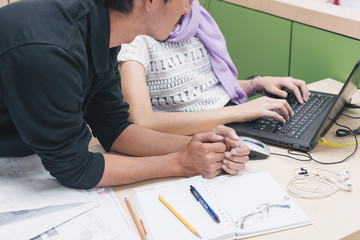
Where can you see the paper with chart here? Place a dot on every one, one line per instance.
(254, 196)
(25, 185)
(26, 224)
(34, 204)
(32, 201)
(107, 222)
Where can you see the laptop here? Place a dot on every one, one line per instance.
(310, 122)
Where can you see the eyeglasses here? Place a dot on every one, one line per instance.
(261, 211)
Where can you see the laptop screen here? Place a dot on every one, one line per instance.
(344, 97)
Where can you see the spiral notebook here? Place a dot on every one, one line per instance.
(248, 204)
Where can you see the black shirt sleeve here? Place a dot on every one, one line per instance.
(107, 113)
(44, 94)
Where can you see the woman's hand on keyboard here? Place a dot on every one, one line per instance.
(266, 107)
(276, 85)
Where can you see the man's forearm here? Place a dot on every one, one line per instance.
(121, 170)
(138, 141)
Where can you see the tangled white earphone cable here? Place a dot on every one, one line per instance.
(315, 183)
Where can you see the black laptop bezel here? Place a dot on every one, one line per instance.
(309, 144)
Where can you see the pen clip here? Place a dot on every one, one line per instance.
(194, 193)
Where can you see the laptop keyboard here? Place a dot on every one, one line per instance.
(304, 115)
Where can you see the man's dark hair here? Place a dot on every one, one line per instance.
(123, 6)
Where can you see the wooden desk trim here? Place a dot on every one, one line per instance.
(318, 14)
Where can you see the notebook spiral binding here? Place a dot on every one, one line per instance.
(224, 215)
(207, 188)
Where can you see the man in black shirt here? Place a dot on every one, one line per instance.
(59, 75)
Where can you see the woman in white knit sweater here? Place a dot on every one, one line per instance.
(189, 84)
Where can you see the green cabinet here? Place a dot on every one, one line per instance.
(263, 44)
(317, 54)
(258, 43)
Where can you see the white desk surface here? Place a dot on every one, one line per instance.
(334, 217)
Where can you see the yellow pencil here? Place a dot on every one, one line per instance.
(191, 228)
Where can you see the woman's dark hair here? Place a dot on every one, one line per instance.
(123, 6)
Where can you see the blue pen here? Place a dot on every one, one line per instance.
(203, 203)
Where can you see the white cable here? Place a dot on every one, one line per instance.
(316, 183)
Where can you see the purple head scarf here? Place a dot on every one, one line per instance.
(199, 23)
